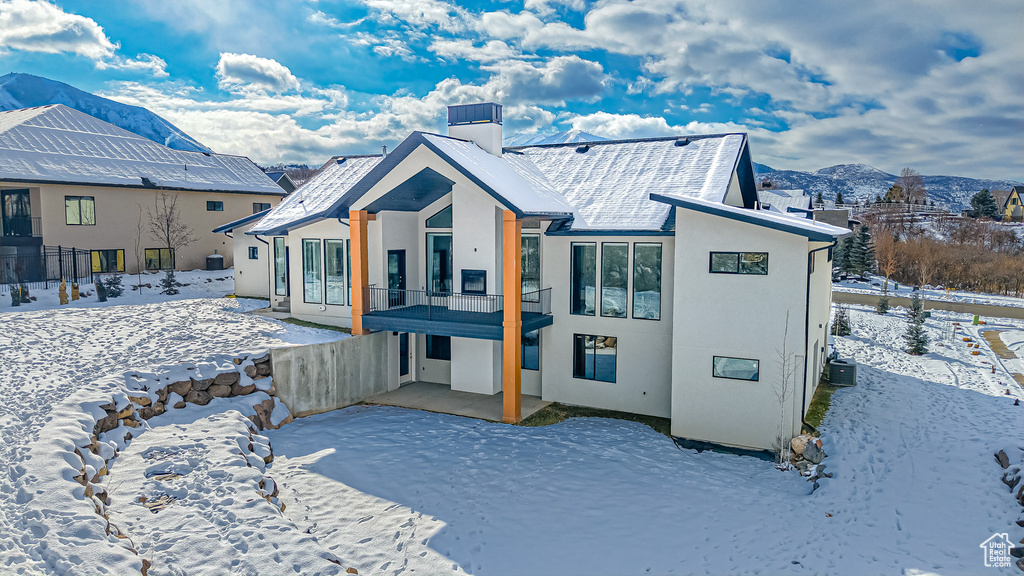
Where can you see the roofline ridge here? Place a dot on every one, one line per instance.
(626, 140)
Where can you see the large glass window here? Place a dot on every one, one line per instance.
(108, 260)
(531, 263)
(614, 276)
(531, 350)
(442, 219)
(439, 262)
(594, 357)
(348, 269)
(735, 368)
(583, 289)
(312, 288)
(439, 347)
(159, 259)
(80, 210)
(280, 267)
(739, 263)
(334, 270)
(647, 281)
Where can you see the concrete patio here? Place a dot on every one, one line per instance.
(441, 398)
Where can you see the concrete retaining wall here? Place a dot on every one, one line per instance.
(961, 307)
(323, 377)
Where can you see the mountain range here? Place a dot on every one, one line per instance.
(27, 91)
(863, 182)
(566, 137)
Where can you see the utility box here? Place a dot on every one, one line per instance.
(215, 262)
(842, 373)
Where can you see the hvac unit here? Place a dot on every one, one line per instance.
(842, 373)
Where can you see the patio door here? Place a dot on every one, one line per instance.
(17, 213)
(396, 278)
(404, 359)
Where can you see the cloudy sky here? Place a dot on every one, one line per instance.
(938, 86)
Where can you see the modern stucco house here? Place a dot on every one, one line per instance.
(69, 179)
(633, 275)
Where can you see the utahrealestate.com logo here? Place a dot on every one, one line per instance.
(997, 551)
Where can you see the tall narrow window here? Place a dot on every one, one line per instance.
(442, 219)
(439, 262)
(647, 281)
(614, 276)
(312, 288)
(80, 210)
(531, 350)
(583, 289)
(280, 267)
(594, 357)
(334, 271)
(531, 263)
(348, 269)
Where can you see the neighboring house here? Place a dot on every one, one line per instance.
(283, 180)
(785, 201)
(251, 256)
(632, 275)
(1013, 209)
(68, 179)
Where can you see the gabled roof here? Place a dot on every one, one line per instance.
(816, 231)
(609, 183)
(1017, 191)
(235, 224)
(311, 201)
(783, 200)
(61, 145)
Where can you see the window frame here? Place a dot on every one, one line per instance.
(522, 351)
(214, 205)
(257, 207)
(757, 361)
(319, 263)
(572, 280)
(119, 262)
(78, 201)
(435, 351)
(344, 285)
(661, 277)
(540, 264)
(625, 289)
(739, 263)
(448, 208)
(159, 251)
(576, 337)
(348, 270)
(451, 264)
(254, 252)
(280, 257)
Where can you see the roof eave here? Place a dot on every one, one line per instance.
(240, 222)
(815, 236)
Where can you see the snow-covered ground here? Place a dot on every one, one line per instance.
(54, 360)
(195, 284)
(874, 286)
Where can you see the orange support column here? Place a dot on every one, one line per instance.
(357, 220)
(511, 346)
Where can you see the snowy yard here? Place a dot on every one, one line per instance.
(386, 490)
(873, 285)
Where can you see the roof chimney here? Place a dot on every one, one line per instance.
(480, 123)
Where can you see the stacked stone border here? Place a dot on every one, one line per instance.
(148, 397)
(1013, 477)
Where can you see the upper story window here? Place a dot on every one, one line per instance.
(647, 281)
(614, 278)
(214, 206)
(80, 210)
(258, 207)
(531, 263)
(583, 278)
(739, 263)
(442, 219)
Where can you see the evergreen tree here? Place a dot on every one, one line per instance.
(878, 199)
(112, 284)
(168, 285)
(841, 323)
(820, 199)
(839, 197)
(882, 306)
(916, 339)
(867, 248)
(842, 259)
(983, 205)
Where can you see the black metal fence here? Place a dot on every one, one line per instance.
(447, 306)
(46, 267)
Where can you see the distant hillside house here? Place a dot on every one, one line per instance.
(631, 275)
(283, 180)
(1013, 209)
(68, 179)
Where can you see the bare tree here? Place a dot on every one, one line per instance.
(167, 226)
(139, 250)
(912, 183)
(783, 388)
(885, 252)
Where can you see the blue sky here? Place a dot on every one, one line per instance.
(932, 85)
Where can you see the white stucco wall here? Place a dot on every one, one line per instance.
(252, 277)
(321, 312)
(741, 316)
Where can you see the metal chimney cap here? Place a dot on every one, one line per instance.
(485, 112)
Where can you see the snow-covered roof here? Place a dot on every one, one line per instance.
(235, 224)
(609, 183)
(516, 180)
(782, 200)
(58, 144)
(793, 224)
(314, 198)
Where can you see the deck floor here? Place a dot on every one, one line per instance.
(434, 397)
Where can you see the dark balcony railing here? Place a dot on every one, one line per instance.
(23, 226)
(537, 302)
(451, 307)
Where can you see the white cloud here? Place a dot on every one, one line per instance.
(635, 126)
(44, 27)
(421, 13)
(389, 45)
(468, 50)
(319, 17)
(155, 65)
(551, 82)
(246, 71)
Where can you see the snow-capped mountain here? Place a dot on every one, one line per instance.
(863, 182)
(27, 91)
(559, 138)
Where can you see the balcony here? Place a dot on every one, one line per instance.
(451, 314)
(20, 230)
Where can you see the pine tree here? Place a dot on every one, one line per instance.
(820, 199)
(841, 323)
(867, 250)
(839, 197)
(916, 339)
(168, 285)
(878, 198)
(983, 205)
(882, 306)
(113, 285)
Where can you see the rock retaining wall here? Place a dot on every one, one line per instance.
(1012, 462)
